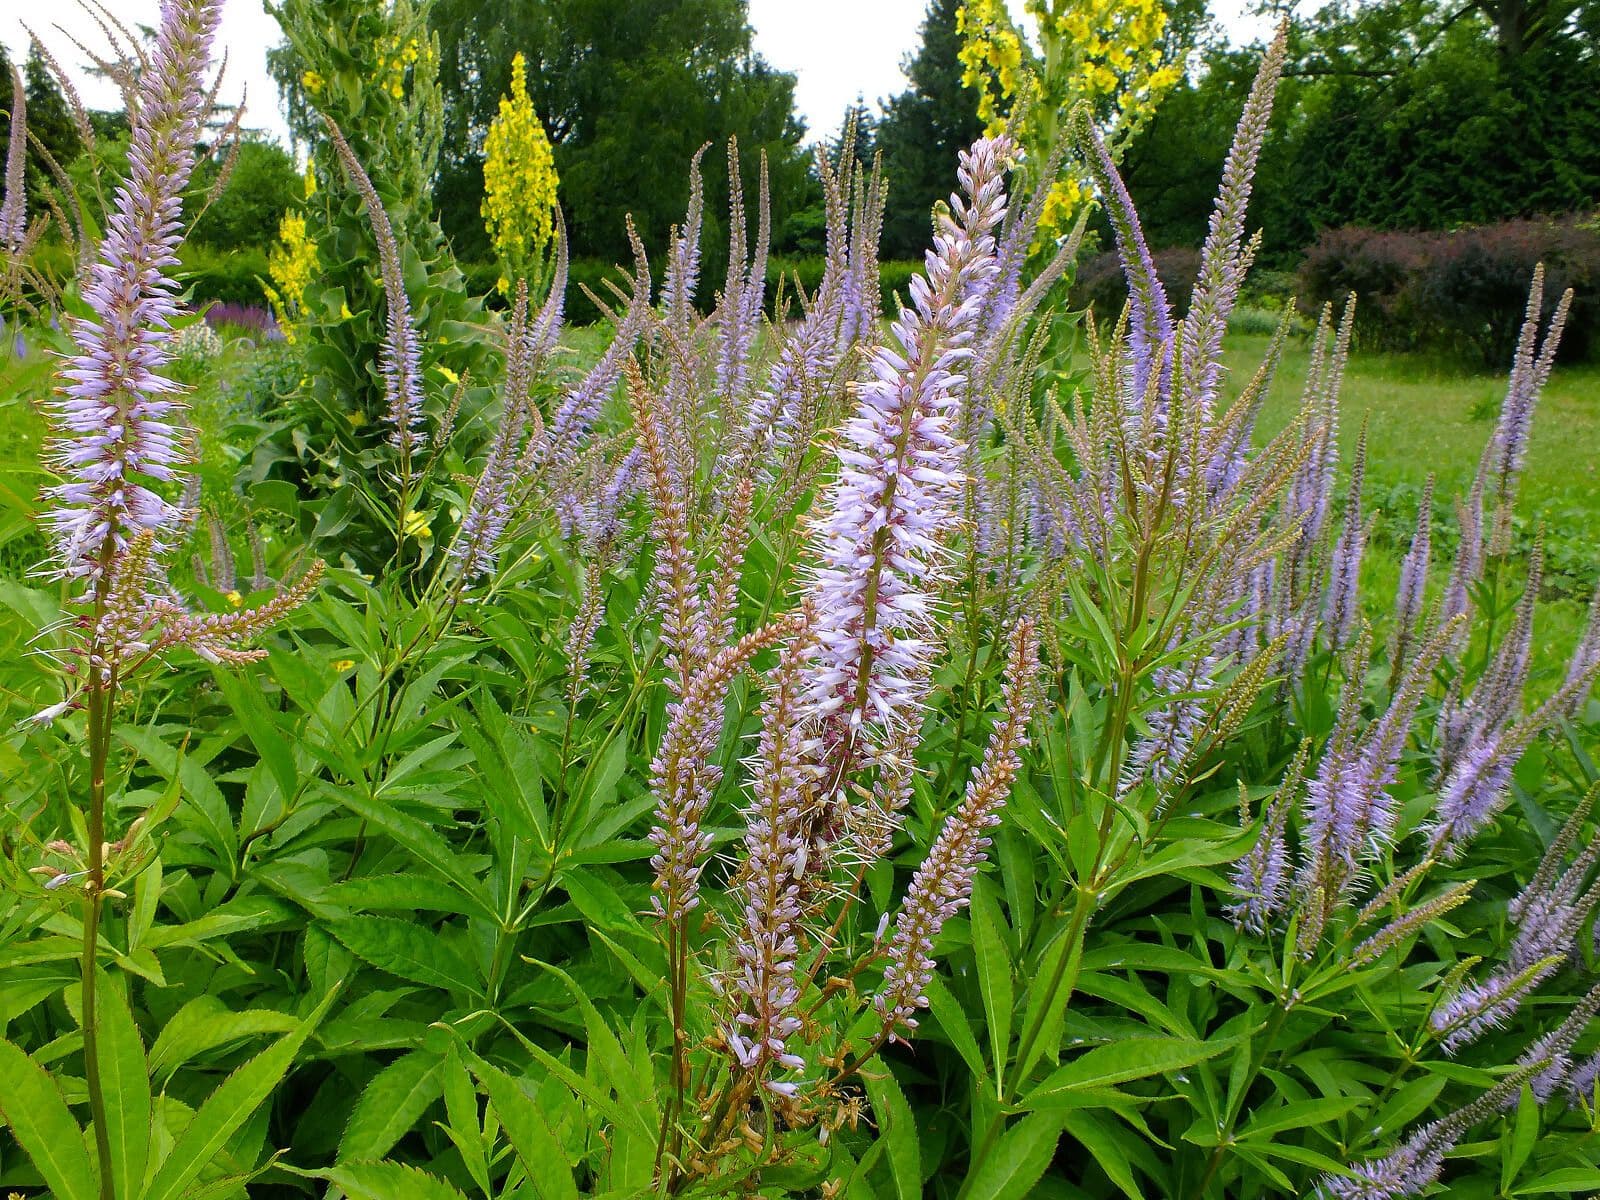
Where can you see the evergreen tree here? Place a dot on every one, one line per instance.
(922, 131)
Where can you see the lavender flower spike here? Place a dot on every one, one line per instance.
(477, 545)
(894, 500)
(14, 212)
(402, 353)
(114, 420)
(942, 885)
(1344, 572)
(766, 947)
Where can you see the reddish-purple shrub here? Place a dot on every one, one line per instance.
(249, 320)
(1461, 291)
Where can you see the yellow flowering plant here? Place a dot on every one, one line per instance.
(292, 263)
(519, 181)
(1113, 55)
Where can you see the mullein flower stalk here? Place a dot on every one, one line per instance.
(942, 885)
(402, 351)
(893, 504)
(14, 207)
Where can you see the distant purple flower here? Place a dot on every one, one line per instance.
(115, 418)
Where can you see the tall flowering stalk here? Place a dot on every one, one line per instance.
(402, 351)
(115, 419)
(115, 441)
(894, 501)
(766, 946)
(13, 209)
(942, 885)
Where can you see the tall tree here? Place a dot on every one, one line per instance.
(628, 91)
(922, 131)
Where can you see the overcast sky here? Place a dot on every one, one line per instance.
(839, 49)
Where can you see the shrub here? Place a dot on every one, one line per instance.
(1461, 291)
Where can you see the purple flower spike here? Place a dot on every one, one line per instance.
(14, 212)
(115, 419)
(895, 499)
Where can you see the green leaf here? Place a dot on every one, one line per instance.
(126, 1082)
(1131, 1058)
(897, 1126)
(388, 1181)
(390, 1105)
(204, 1024)
(227, 1109)
(1523, 1133)
(994, 974)
(423, 842)
(461, 1112)
(1304, 1114)
(408, 950)
(952, 1018)
(1096, 1137)
(33, 1106)
(1563, 1182)
(530, 1136)
(1015, 1164)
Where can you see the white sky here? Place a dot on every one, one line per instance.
(839, 49)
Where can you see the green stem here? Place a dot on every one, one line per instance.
(99, 751)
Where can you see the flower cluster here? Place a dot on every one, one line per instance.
(117, 417)
(893, 503)
(519, 180)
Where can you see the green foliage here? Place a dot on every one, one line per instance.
(263, 184)
(1407, 114)
(371, 68)
(922, 130)
(601, 76)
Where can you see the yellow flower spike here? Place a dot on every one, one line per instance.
(519, 180)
